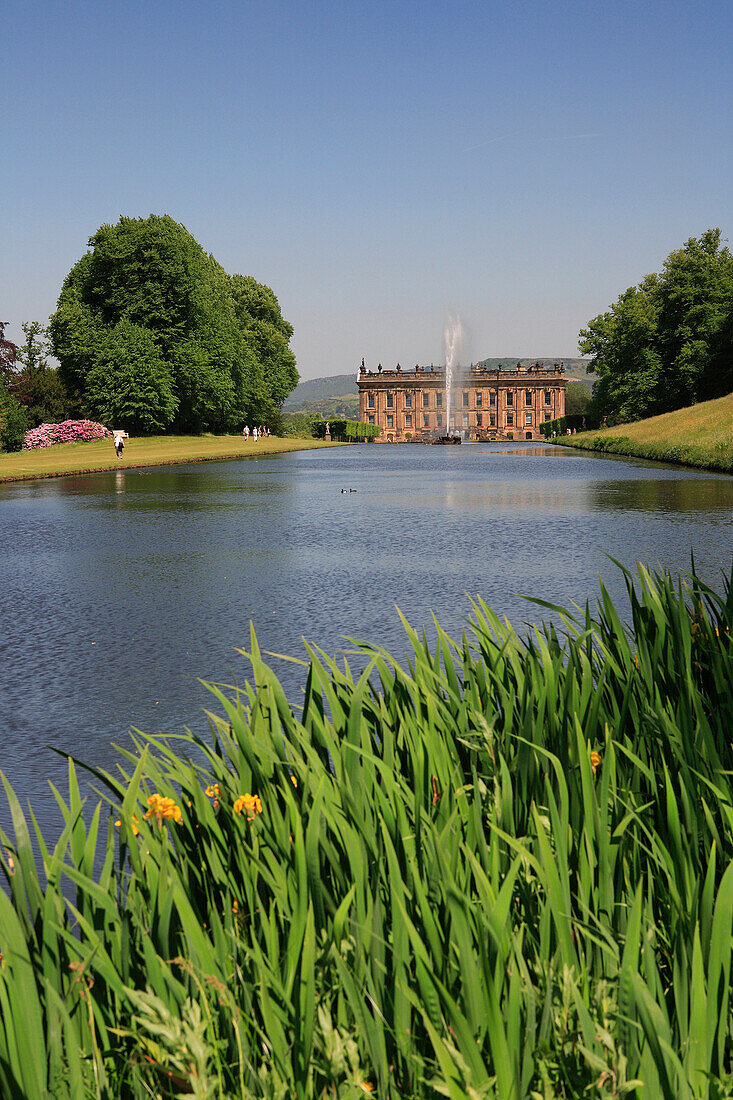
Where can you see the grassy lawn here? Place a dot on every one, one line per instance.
(82, 458)
(700, 436)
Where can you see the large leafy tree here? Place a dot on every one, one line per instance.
(149, 332)
(268, 333)
(696, 311)
(667, 342)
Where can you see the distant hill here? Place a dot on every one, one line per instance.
(347, 405)
(331, 395)
(319, 389)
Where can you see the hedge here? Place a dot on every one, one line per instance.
(355, 430)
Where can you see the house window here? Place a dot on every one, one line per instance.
(426, 420)
(548, 417)
(479, 399)
(492, 397)
(371, 419)
(478, 420)
(371, 400)
(492, 420)
(390, 401)
(408, 400)
(439, 420)
(465, 399)
(528, 418)
(548, 397)
(465, 420)
(439, 400)
(509, 420)
(509, 397)
(408, 420)
(390, 421)
(528, 397)
(426, 400)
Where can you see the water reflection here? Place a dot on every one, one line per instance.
(119, 589)
(688, 496)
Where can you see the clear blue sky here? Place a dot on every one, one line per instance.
(378, 164)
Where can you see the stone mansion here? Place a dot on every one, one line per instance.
(486, 404)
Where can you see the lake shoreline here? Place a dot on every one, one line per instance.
(699, 437)
(53, 462)
(687, 458)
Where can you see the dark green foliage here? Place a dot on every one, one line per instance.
(300, 425)
(562, 423)
(355, 430)
(36, 384)
(151, 331)
(667, 342)
(130, 384)
(44, 396)
(8, 353)
(268, 334)
(14, 421)
(577, 399)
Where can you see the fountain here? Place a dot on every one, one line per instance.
(453, 340)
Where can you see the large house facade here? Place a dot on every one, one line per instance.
(486, 404)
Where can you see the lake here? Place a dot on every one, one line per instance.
(118, 590)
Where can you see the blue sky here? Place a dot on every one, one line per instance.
(378, 164)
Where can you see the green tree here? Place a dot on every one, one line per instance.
(146, 286)
(37, 385)
(8, 353)
(268, 333)
(577, 399)
(621, 343)
(696, 305)
(14, 421)
(667, 342)
(130, 385)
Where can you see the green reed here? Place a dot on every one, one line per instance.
(502, 868)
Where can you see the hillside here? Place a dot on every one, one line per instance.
(318, 389)
(701, 436)
(309, 395)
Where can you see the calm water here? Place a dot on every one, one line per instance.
(118, 590)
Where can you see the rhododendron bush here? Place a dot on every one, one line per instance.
(69, 431)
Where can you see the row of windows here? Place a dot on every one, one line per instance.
(479, 420)
(528, 397)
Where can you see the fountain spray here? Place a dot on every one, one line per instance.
(453, 340)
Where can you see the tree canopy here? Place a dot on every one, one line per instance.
(152, 332)
(8, 354)
(667, 342)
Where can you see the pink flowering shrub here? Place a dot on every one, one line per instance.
(69, 431)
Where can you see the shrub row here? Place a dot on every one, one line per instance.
(354, 430)
(562, 423)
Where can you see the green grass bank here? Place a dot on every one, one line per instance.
(500, 868)
(164, 450)
(701, 436)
